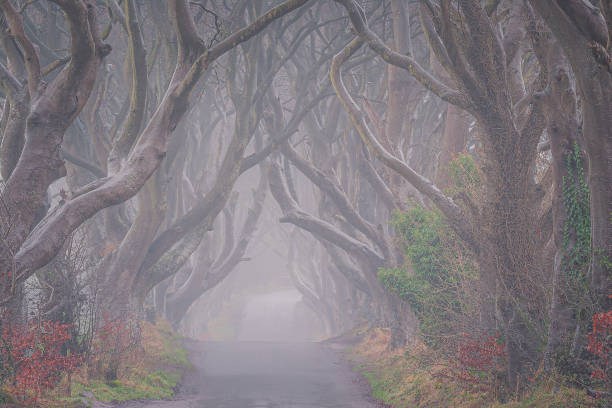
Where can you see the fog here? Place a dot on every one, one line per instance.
(260, 184)
(276, 316)
(258, 301)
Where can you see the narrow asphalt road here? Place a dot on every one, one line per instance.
(267, 375)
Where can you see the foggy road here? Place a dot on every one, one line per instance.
(268, 375)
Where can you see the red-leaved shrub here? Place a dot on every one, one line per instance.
(600, 344)
(117, 340)
(477, 359)
(34, 358)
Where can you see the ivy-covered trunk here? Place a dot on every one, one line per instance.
(569, 311)
(582, 32)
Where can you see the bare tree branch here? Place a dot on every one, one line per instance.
(138, 93)
(453, 212)
(31, 60)
(404, 61)
(294, 215)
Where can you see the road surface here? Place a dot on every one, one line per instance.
(267, 375)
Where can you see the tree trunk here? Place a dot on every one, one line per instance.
(588, 55)
(456, 131)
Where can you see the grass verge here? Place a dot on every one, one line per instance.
(417, 377)
(153, 375)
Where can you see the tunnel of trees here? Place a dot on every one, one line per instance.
(434, 167)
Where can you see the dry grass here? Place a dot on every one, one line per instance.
(417, 377)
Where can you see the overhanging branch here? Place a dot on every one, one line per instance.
(455, 215)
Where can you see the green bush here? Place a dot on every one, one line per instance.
(434, 276)
(438, 279)
(464, 175)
